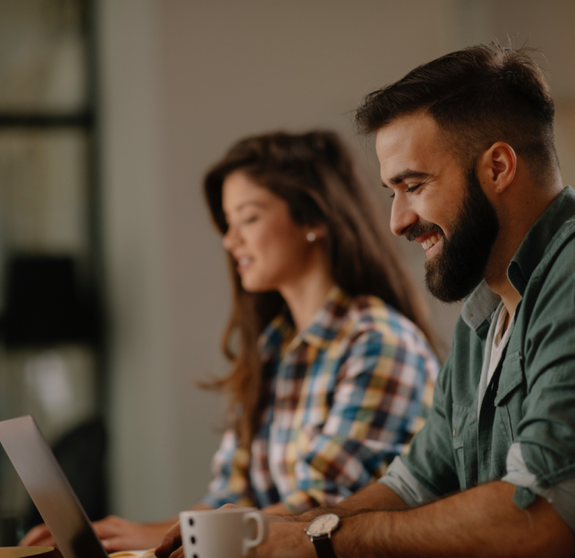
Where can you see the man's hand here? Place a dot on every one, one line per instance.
(171, 544)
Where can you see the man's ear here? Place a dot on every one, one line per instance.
(496, 167)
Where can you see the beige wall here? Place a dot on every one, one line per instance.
(181, 80)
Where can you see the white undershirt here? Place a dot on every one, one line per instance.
(499, 341)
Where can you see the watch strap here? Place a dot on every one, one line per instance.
(323, 547)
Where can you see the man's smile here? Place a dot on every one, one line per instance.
(431, 240)
(428, 235)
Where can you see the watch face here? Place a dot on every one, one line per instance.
(323, 524)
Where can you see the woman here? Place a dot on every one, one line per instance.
(310, 268)
(329, 362)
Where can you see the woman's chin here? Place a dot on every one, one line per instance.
(256, 286)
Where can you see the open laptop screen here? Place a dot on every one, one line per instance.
(49, 489)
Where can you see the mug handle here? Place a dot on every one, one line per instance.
(262, 530)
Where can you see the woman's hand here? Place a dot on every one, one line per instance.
(38, 536)
(120, 534)
(115, 533)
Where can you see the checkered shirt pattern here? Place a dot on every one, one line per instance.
(345, 397)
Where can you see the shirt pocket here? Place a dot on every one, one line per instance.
(511, 393)
(463, 439)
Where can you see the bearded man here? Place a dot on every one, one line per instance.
(466, 145)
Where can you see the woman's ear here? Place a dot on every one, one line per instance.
(496, 168)
(316, 232)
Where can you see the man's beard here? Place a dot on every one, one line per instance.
(460, 266)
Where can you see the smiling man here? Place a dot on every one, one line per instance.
(466, 147)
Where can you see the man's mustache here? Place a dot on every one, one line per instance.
(422, 228)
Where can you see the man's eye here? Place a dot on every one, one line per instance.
(250, 220)
(412, 188)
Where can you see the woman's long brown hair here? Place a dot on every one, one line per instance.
(318, 178)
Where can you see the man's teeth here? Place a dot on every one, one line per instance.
(431, 241)
(244, 261)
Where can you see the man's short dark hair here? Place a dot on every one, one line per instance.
(477, 96)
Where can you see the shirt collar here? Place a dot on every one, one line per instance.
(479, 306)
(323, 328)
(536, 242)
(482, 302)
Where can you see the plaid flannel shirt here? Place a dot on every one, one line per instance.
(345, 397)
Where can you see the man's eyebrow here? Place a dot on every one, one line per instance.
(408, 173)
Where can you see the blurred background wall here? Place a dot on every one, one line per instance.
(177, 82)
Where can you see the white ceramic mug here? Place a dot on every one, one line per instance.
(227, 533)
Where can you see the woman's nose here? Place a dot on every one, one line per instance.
(230, 239)
(402, 216)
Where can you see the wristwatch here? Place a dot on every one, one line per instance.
(320, 530)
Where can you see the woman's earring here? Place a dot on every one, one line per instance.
(310, 236)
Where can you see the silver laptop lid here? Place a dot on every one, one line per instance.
(49, 489)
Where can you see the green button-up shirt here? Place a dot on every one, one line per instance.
(520, 426)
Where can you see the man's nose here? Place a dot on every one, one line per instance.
(402, 216)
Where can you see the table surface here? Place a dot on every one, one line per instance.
(25, 551)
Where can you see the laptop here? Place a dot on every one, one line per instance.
(49, 489)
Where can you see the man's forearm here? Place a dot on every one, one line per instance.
(483, 521)
(479, 522)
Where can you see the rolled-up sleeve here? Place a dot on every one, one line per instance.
(560, 495)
